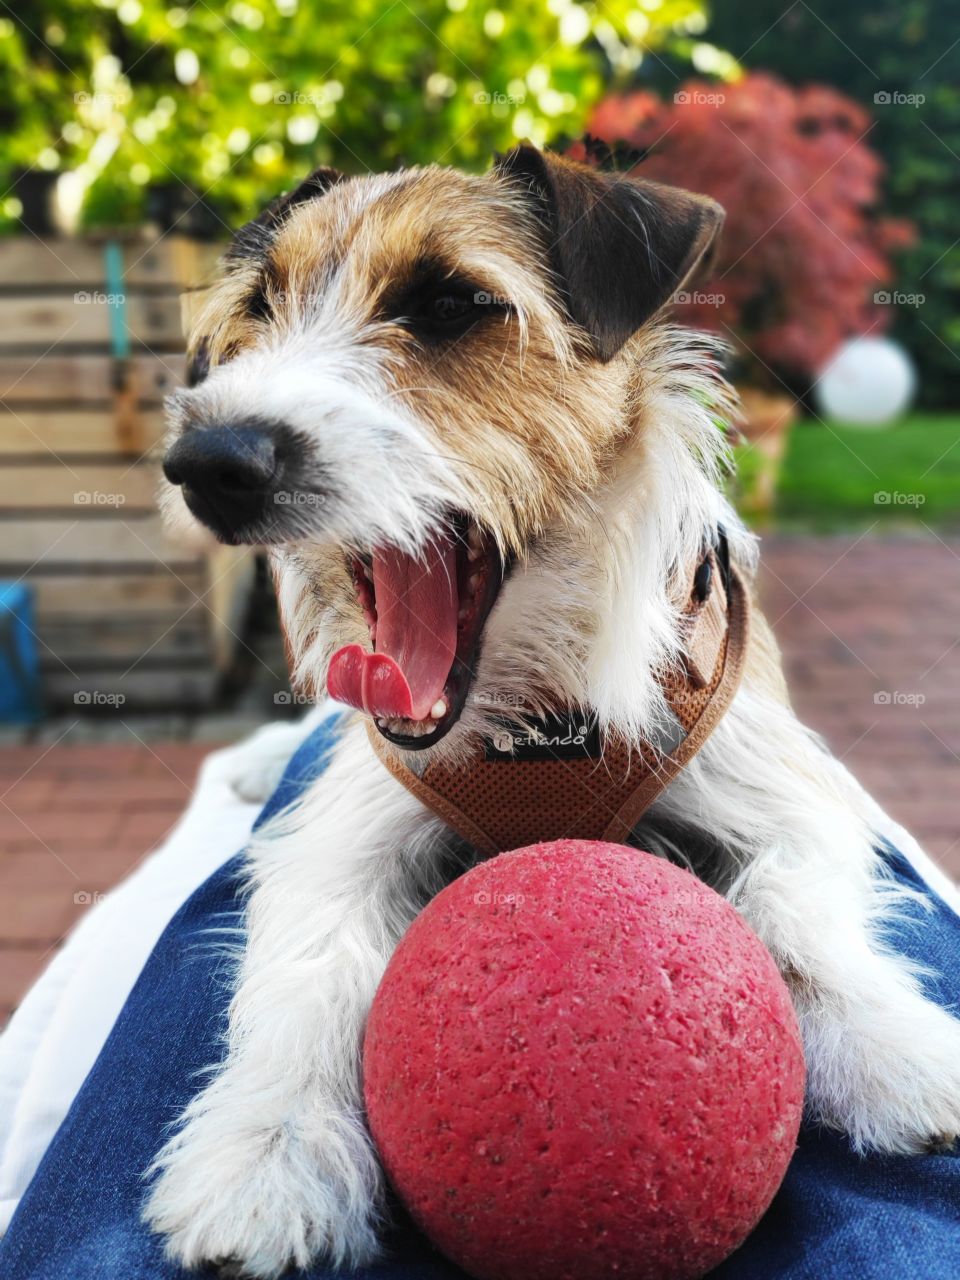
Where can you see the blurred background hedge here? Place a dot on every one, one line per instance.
(236, 102)
(195, 115)
(884, 53)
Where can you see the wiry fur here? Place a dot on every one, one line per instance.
(283, 1123)
(602, 479)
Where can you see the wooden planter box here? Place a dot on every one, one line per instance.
(767, 419)
(119, 608)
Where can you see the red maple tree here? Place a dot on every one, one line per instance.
(803, 251)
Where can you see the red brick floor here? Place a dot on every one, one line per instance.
(856, 619)
(73, 821)
(870, 631)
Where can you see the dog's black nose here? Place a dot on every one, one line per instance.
(228, 475)
(222, 460)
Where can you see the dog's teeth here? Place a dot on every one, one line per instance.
(474, 553)
(429, 728)
(462, 615)
(439, 709)
(368, 573)
(474, 537)
(473, 581)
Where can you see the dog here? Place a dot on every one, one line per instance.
(461, 394)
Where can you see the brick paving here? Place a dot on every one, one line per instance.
(856, 619)
(870, 631)
(73, 821)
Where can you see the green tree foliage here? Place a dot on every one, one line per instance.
(237, 101)
(900, 58)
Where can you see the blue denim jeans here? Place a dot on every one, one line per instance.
(836, 1216)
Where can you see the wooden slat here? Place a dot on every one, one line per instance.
(91, 492)
(134, 595)
(114, 541)
(175, 261)
(27, 379)
(124, 641)
(42, 432)
(84, 318)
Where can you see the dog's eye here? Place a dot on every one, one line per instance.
(449, 308)
(444, 312)
(440, 310)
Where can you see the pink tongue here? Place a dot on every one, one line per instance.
(417, 605)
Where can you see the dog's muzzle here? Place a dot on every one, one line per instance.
(232, 477)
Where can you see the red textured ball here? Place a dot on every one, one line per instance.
(582, 1063)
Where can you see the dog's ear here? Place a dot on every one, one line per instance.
(252, 238)
(620, 246)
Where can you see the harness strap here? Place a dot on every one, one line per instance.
(500, 801)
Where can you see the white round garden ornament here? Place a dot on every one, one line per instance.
(867, 383)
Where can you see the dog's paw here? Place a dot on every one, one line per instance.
(255, 781)
(258, 1201)
(253, 768)
(891, 1082)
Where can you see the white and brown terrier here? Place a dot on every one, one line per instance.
(451, 408)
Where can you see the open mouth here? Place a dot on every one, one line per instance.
(425, 615)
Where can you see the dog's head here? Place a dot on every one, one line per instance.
(401, 381)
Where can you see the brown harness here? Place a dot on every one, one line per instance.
(562, 779)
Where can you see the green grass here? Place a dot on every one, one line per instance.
(832, 474)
